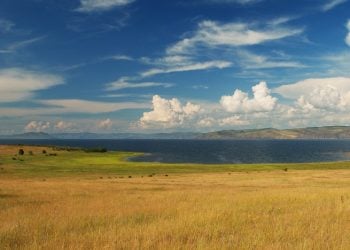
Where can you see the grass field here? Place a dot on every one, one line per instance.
(78, 200)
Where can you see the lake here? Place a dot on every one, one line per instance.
(216, 151)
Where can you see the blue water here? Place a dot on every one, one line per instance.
(216, 151)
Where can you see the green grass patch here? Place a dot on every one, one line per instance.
(77, 162)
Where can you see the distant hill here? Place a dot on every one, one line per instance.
(331, 132)
(92, 136)
(126, 136)
(29, 136)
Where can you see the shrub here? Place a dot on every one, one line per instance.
(95, 150)
(21, 152)
(44, 151)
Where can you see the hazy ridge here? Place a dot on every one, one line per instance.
(330, 132)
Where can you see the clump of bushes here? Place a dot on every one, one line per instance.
(60, 148)
(95, 150)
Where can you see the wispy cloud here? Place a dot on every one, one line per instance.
(6, 26)
(347, 39)
(189, 67)
(212, 34)
(88, 107)
(124, 83)
(242, 2)
(21, 44)
(19, 84)
(101, 5)
(120, 58)
(70, 106)
(249, 60)
(330, 4)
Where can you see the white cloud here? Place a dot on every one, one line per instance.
(347, 39)
(168, 113)
(240, 102)
(330, 4)
(6, 26)
(337, 64)
(19, 84)
(324, 94)
(69, 106)
(191, 66)
(242, 2)
(304, 87)
(206, 122)
(233, 121)
(121, 58)
(37, 126)
(88, 107)
(63, 125)
(105, 124)
(123, 83)
(249, 60)
(21, 44)
(213, 34)
(327, 98)
(101, 5)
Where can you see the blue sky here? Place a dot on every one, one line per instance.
(161, 66)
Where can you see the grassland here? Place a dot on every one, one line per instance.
(78, 200)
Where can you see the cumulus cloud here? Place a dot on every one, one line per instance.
(327, 97)
(233, 121)
(207, 122)
(304, 87)
(124, 83)
(63, 125)
(311, 94)
(347, 39)
(101, 5)
(330, 4)
(213, 34)
(168, 113)
(18, 84)
(37, 126)
(240, 102)
(105, 124)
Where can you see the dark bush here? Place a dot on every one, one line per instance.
(44, 151)
(95, 150)
(21, 152)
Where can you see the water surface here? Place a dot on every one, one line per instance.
(216, 151)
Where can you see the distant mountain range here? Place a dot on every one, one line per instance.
(91, 136)
(331, 132)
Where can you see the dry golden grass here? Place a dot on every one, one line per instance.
(255, 210)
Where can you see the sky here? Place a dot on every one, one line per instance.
(112, 66)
